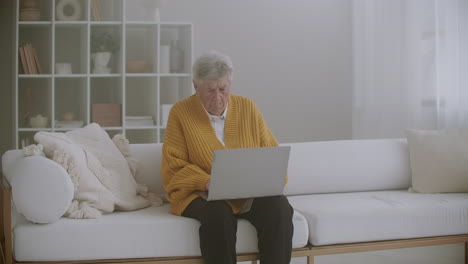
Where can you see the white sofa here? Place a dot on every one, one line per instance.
(349, 196)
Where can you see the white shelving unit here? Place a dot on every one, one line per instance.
(138, 93)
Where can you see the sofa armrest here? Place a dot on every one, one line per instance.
(5, 221)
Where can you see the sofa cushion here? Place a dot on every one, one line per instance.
(439, 160)
(384, 215)
(41, 189)
(148, 159)
(149, 232)
(365, 165)
(348, 166)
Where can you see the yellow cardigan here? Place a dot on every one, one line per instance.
(190, 140)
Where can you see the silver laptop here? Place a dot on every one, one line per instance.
(248, 172)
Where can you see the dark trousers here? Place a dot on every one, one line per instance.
(271, 216)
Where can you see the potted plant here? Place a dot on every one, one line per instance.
(102, 46)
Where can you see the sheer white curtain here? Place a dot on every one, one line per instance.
(410, 66)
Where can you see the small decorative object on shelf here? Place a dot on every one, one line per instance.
(29, 10)
(101, 60)
(107, 115)
(102, 47)
(38, 121)
(63, 68)
(68, 10)
(177, 57)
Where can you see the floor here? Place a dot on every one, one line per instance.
(446, 254)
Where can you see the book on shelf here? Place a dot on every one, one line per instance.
(99, 10)
(96, 10)
(29, 59)
(93, 7)
(22, 55)
(33, 60)
(38, 65)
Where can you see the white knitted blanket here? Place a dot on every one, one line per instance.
(101, 170)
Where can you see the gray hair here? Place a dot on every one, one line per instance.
(212, 66)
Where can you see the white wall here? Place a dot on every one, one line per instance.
(293, 58)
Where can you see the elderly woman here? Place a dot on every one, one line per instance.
(214, 119)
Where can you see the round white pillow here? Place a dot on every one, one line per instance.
(42, 190)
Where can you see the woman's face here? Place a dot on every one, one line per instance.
(214, 95)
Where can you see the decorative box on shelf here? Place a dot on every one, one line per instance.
(107, 114)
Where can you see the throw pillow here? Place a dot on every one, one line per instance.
(124, 146)
(439, 160)
(100, 172)
(41, 189)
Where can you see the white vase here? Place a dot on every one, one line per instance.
(100, 61)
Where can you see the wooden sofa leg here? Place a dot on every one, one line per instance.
(310, 259)
(466, 252)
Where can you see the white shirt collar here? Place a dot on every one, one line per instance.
(222, 116)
